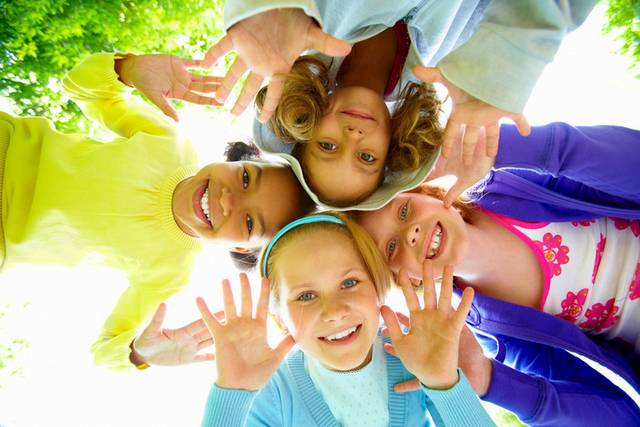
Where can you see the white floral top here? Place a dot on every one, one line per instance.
(591, 272)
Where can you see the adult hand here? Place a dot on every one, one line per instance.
(244, 358)
(163, 77)
(159, 346)
(474, 114)
(430, 349)
(466, 175)
(268, 44)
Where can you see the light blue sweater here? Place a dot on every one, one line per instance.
(291, 399)
(495, 50)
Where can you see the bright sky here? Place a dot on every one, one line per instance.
(60, 310)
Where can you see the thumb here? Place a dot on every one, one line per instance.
(162, 103)
(158, 318)
(428, 74)
(329, 45)
(411, 385)
(285, 345)
(454, 192)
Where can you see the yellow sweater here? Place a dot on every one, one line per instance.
(66, 196)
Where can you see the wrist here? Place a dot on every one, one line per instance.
(440, 383)
(122, 67)
(135, 358)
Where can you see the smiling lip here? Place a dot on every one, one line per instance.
(358, 115)
(427, 242)
(344, 341)
(197, 195)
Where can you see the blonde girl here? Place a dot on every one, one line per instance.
(344, 371)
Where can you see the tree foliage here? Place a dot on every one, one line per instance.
(40, 40)
(624, 21)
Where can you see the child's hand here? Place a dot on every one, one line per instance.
(430, 349)
(162, 77)
(158, 346)
(466, 175)
(244, 359)
(268, 44)
(474, 115)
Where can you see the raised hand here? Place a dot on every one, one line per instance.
(466, 175)
(474, 115)
(430, 349)
(244, 359)
(268, 44)
(163, 77)
(159, 346)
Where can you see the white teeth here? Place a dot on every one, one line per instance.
(342, 334)
(435, 242)
(204, 203)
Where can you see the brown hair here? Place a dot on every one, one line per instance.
(416, 131)
(362, 242)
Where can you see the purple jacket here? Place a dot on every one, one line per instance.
(546, 370)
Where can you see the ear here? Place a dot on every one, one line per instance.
(239, 250)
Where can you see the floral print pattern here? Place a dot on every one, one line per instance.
(622, 224)
(599, 251)
(555, 253)
(634, 289)
(583, 222)
(601, 316)
(572, 305)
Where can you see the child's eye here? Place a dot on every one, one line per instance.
(404, 210)
(328, 146)
(366, 157)
(245, 178)
(306, 296)
(349, 283)
(249, 222)
(391, 248)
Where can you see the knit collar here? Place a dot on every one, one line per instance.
(396, 373)
(165, 207)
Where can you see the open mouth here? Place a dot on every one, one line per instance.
(344, 336)
(435, 242)
(201, 204)
(358, 115)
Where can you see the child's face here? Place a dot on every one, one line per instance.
(326, 295)
(247, 202)
(345, 158)
(413, 227)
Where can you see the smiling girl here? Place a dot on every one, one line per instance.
(344, 372)
(138, 202)
(554, 227)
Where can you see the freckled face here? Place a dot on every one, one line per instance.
(349, 145)
(239, 203)
(328, 302)
(413, 227)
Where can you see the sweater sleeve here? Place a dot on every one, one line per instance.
(457, 406)
(539, 401)
(502, 61)
(237, 10)
(94, 86)
(583, 154)
(134, 308)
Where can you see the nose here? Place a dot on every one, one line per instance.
(413, 232)
(334, 309)
(226, 201)
(353, 132)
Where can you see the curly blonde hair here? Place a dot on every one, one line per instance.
(416, 131)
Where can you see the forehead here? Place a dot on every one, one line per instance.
(317, 257)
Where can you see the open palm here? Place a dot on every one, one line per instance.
(244, 359)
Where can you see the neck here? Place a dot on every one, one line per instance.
(370, 62)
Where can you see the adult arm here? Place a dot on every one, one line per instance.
(502, 61)
(545, 386)
(583, 154)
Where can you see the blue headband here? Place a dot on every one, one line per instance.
(293, 224)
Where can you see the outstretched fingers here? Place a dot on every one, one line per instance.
(158, 318)
(161, 102)
(262, 310)
(246, 302)
(428, 285)
(235, 73)
(212, 323)
(446, 289)
(460, 315)
(248, 93)
(227, 298)
(217, 51)
(413, 304)
(390, 319)
(272, 97)
(325, 43)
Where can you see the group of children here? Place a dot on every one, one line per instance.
(549, 239)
